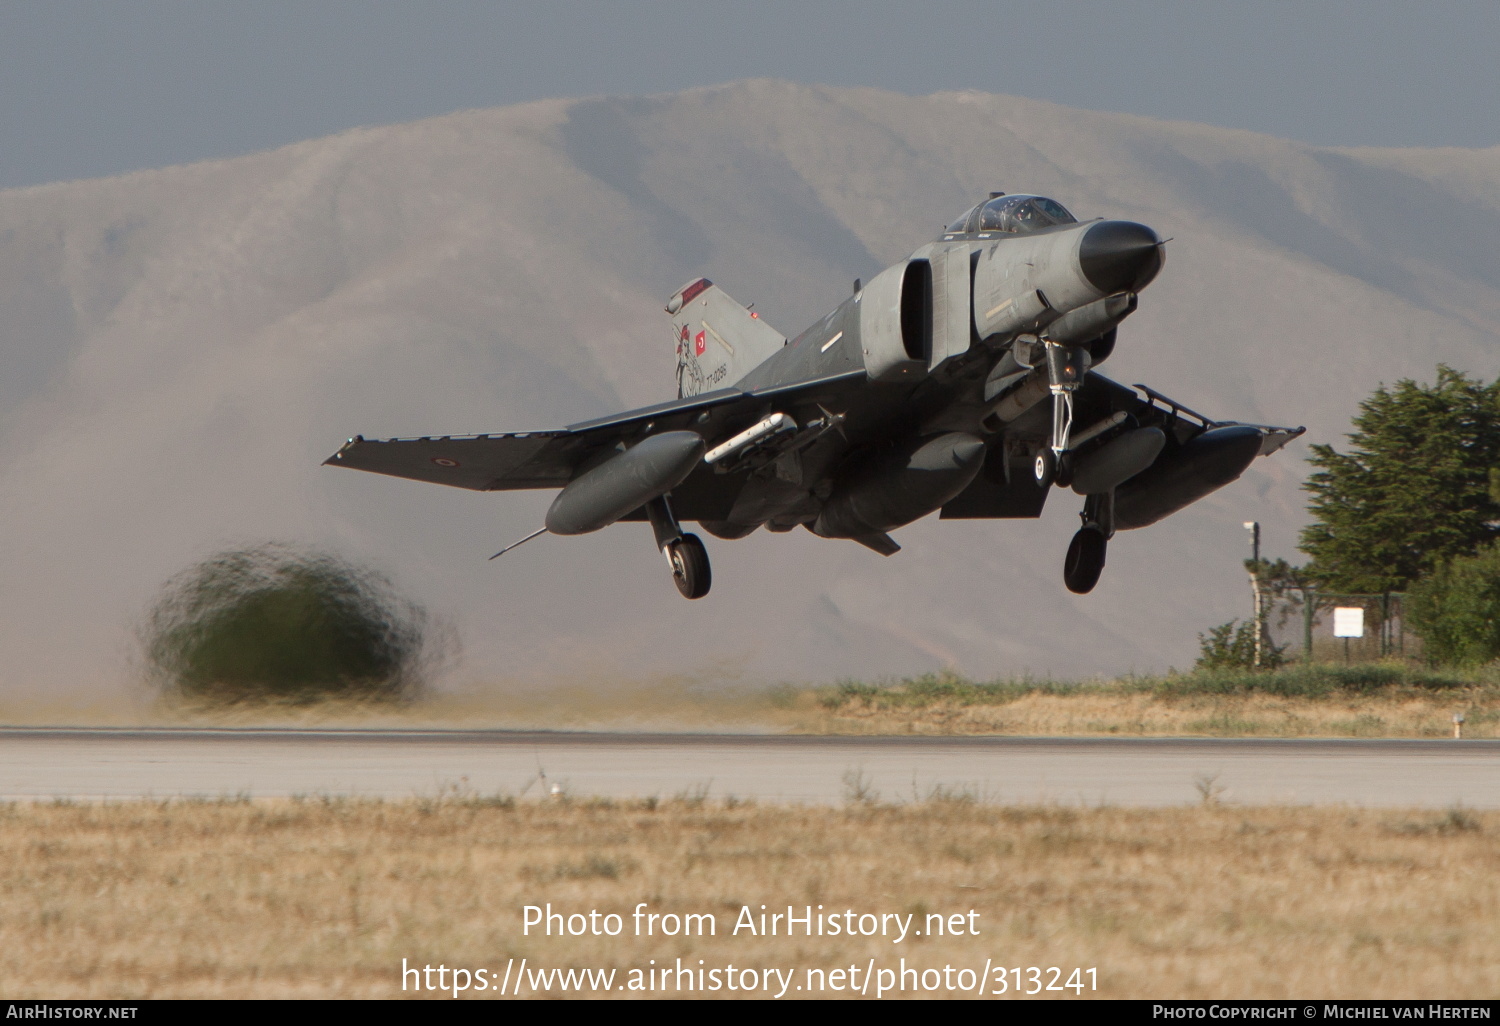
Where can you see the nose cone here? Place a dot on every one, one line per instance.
(1120, 256)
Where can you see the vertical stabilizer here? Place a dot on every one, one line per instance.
(718, 341)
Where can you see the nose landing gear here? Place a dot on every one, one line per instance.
(1066, 367)
(1086, 553)
(1044, 468)
(685, 552)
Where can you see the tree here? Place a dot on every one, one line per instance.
(1456, 609)
(1415, 488)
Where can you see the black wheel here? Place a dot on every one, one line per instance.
(1064, 476)
(1044, 468)
(690, 571)
(1085, 560)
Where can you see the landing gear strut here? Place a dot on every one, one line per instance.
(685, 552)
(1086, 553)
(1066, 366)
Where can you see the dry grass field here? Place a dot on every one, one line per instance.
(326, 897)
(1371, 700)
(1101, 712)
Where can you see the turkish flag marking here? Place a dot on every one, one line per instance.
(700, 344)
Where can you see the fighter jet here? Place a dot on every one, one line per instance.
(960, 380)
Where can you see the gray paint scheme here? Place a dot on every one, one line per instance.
(1111, 465)
(949, 342)
(619, 484)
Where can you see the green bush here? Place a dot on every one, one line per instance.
(1232, 645)
(1455, 610)
(281, 624)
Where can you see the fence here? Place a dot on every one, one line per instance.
(1304, 627)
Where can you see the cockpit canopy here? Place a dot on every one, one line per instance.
(1013, 214)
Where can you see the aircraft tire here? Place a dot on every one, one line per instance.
(1064, 475)
(1044, 468)
(690, 569)
(1085, 561)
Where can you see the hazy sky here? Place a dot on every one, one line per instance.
(95, 88)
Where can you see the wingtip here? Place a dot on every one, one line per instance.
(337, 458)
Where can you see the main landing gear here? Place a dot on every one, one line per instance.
(685, 552)
(1085, 561)
(1086, 553)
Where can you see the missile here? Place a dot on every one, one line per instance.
(1014, 396)
(1184, 475)
(772, 425)
(1097, 428)
(653, 467)
(901, 486)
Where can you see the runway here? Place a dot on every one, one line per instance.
(134, 763)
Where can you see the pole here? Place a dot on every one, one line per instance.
(1253, 526)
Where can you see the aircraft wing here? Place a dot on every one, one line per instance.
(1002, 492)
(550, 459)
(1172, 415)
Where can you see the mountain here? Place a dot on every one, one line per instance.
(182, 347)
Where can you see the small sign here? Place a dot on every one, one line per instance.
(1349, 622)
